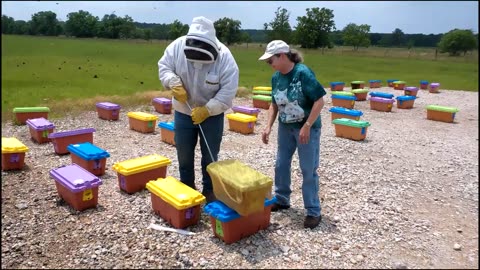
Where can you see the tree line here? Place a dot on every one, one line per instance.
(316, 29)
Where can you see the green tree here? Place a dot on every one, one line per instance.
(228, 30)
(456, 41)
(160, 31)
(109, 26)
(21, 28)
(45, 23)
(397, 38)
(356, 35)
(177, 29)
(147, 34)
(279, 27)
(246, 37)
(81, 24)
(385, 41)
(127, 27)
(8, 25)
(313, 30)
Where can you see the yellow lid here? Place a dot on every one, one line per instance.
(141, 164)
(175, 193)
(263, 88)
(143, 116)
(238, 175)
(13, 145)
(241, 117)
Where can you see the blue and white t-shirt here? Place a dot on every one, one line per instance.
(294, 93)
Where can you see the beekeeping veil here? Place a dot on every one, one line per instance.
(201, 44)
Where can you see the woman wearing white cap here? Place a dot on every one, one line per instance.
(297, 99)
(203, 75)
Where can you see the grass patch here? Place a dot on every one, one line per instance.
(73, 74)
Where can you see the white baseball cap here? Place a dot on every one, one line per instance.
(275, 47)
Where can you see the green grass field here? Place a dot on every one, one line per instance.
(72, 74)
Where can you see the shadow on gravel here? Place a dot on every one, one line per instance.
(60, 202)
(254, 248)
(297, 216)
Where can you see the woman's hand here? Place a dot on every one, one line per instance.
(266, 135)
(304, 134)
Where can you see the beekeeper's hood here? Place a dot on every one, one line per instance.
(201, 44)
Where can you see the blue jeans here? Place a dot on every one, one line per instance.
(309, 155)
(186, 137)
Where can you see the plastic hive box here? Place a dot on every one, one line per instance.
(360, 94)
(261, 101)
(399, 85)
(381, 104)
(441, 113)
(242, 123)
(162, 105)
(13, 154)
(423, 84)
(39, 129)
(108, 111)
(175, 202)
(134, 174)
(351, 129)
(375, 83)
(142, 122)
(77, 186)
(337, 86)
(246, 110)
(230, 227)
(62, 139)
(263, 88)
(434, 88)
(343, 101)
(89, 156)
(410, 91)
(167, 132)
(357, 84)
(340, 112)
(405, 102)
(390, 82)
(22, 114)
(381, 94)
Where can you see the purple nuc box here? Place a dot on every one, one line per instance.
(108, 106)
(246, 109)
(75, 178)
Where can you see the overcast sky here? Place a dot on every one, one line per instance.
(427, 17)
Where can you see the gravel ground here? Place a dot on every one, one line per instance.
(406, 197)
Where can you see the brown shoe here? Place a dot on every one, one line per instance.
(209, 195)
(277, 207)
(312, 222)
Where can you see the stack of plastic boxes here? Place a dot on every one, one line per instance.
(244, 200)
(381, 101)
(345, 100)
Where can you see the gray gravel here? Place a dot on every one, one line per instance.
(406, 197)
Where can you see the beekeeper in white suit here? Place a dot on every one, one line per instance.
(203, 75)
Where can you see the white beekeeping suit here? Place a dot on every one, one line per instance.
(204, 66)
